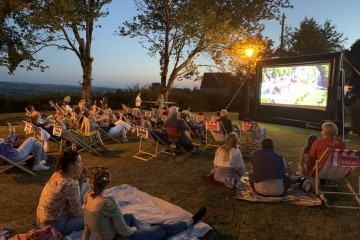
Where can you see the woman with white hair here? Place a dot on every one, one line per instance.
(225, 121)
(329, 140)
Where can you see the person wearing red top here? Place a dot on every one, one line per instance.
(329, 131)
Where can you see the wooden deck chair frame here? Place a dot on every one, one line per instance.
(149, 146)
(105, 136)
(63, 112)
(336, 165)
(215, 134)
(16, 164)
(32, 128)
(68, 136)
(248, 144)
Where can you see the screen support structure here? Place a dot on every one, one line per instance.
(342, 70)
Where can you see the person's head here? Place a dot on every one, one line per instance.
(247, 120)
(139, 94)
(67, 99)
(309, 142)
(231, 140)
(30, 108)
(86, 113)
(69, 162)
(329, 129)
(183, 115)
(267, 143)
(99, 180)
(223, 113)
(161, 96)
(173, 111)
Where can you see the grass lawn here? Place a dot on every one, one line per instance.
(181, 184)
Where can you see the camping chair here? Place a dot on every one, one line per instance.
(150, 145)
(251, 133)
(337, 164)
(18, 164)
(76, 143)
(174, 138)
(250, 138)
(215, 134)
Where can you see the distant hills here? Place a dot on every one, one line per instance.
(24, 90)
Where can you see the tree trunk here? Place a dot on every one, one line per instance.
(86, 84)
(170, 84)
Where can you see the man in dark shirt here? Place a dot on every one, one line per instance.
(176, 128)
(269, 171)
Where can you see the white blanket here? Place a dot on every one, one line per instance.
(149, 209)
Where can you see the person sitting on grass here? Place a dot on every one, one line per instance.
(31, 145)
(105, 221)
(269, 176)
(229, 165)
(60, 201)
(173, 123)
(304, 154)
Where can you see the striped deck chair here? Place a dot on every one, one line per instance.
(336, 165)
(215, 134)
(10, 164)
(151, 144)
(77, 144)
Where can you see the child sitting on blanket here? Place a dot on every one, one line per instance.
(229, 165)
(105, 221)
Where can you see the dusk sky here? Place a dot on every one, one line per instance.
(121, 62)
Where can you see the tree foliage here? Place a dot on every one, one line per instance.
(178, 31)
(69, 25)
(18, 41)
(312, 38)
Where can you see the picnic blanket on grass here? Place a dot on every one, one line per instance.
(148, 209)
(295, 195)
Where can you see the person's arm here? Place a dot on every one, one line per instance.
(72, 193)
(113, 210)
(240, 163)
(86, 233)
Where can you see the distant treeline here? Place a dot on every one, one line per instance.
(197, 100)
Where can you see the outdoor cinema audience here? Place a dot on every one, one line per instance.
(60, 201)
(229, 165)
(269, 177)
(30, 145)
(105, 221)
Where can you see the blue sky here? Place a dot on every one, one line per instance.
(121, 62)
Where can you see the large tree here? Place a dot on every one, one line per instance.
(18, 41)
(312, 38)
(69, 25)
(179, 30)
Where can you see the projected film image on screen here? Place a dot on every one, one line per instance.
(298, 86)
